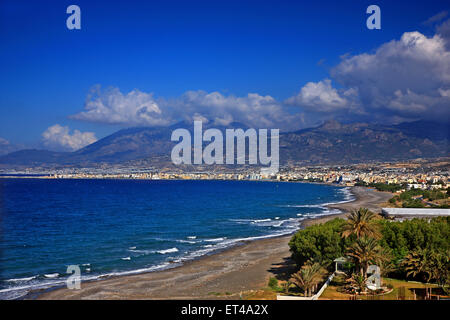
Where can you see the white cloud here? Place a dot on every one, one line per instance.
(113, 107)
(4, 142)
(59, 138)
(445, 93)
(253, 110)
(403, 79)
(444, 31)
(321, 97)
(140, 108)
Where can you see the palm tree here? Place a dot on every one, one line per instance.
(365, 251)
(440, 268)
(361, 223)
(385, 262)
(418, 262)
(429, 265)
(286, 286)
(358, 282)
(308, 277)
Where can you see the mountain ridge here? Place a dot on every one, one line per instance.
(330, 142)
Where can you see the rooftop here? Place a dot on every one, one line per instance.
(414, 212)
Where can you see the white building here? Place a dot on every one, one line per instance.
(409, 213)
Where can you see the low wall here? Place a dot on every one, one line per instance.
(314, 297)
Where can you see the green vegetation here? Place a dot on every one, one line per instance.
(417, 237)
(320, 242)
(417, 198)
(358, 281)
(308, 277)
(415, 249)
(397, 289)
(392, 187)
(365, 251)
(360, 223)
(273, 283)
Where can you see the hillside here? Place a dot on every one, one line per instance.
(331, 142)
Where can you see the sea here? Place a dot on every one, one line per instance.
(120, 227)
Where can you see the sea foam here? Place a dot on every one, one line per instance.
(168, 251)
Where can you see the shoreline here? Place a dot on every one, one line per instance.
(226, 274)
(364, 197)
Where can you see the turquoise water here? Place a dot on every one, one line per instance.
(113, 227)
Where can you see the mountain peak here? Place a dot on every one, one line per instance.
(331, 125)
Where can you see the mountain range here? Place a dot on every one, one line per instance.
(330, 143)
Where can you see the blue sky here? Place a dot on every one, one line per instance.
(167, 48)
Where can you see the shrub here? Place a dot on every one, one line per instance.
(273, 283)
(393, 200)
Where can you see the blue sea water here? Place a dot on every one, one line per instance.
(114, 227)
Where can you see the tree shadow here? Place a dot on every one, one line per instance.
(283, 270)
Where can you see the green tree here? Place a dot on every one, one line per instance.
(358, 282)
(365, 251)
(321, 242)
(402, 238)
(361, 223)
(440, 268)
(308, 277)
(418, 263)
(428, 265)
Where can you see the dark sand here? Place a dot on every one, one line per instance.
(224, 275)
(364, 197)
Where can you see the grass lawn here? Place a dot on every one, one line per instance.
(409, 288)
(263, 294)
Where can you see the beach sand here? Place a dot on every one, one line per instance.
(229, 274)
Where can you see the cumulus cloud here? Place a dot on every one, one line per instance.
(113, 107)
(253, 109)
(139, 108)
(444, 31)
(404, 79)
(59, 138)
(401, 80)
(322, 97)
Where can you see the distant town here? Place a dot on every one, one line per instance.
(414, 174)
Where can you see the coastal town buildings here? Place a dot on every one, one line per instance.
(424, 176)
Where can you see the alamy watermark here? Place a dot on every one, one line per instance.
(235, 153)
(374, 20)
(73, 22)
(74, 280)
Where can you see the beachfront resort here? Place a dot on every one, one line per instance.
(368, 257)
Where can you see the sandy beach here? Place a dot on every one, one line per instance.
(229, 274)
